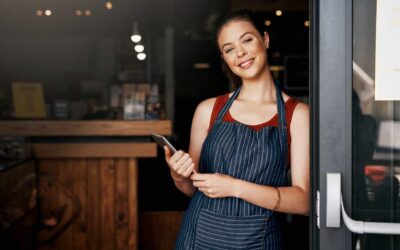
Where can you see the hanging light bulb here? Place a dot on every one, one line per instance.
(278, 13)
(136, 37)
(141, 56)
(109, 5)
(139, 48)
(268, 23)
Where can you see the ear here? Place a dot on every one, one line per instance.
(266, 39)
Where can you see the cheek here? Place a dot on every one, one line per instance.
(230, 59)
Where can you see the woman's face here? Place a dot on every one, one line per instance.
(243, 48)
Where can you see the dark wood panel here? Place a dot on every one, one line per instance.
(158, 230)
(107, 192)
(48, 197)
(64, 242)
(133, 203)
(93, 204)
(18, 206)
(85, 128)
(107, 227)
(78, 172)
(121, 204)
(96, 150)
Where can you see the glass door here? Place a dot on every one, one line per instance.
(356, 124)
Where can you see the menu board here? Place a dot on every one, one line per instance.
(28, 100)
(387, 63)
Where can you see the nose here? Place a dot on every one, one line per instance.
(241, 52)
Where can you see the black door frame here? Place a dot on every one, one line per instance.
(331, 114)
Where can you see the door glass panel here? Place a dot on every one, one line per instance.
(376, 119)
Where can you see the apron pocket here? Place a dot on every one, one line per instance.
(216, 231)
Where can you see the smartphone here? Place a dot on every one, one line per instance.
(162, 141)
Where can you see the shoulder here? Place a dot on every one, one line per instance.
(205, 107)
(301, 110)
(202, 115)
(301, 117)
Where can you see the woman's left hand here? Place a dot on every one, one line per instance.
(214, 185)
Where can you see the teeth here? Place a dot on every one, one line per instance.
(245, 63)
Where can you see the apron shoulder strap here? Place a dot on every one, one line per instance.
(281, 107)
(227, 105)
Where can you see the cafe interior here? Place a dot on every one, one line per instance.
(83, 84)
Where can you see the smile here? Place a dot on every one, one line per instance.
(246, 64)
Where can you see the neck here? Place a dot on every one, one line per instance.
(259, 89)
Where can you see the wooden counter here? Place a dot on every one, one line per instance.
(88, 186)
(84, 128)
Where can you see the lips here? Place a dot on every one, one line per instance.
(246, 64)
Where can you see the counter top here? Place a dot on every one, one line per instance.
(84, 128)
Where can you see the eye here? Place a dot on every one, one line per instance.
(228, 50)
(249, 39)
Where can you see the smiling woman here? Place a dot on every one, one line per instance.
(241, 146)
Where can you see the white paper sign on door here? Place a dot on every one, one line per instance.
(387, 57)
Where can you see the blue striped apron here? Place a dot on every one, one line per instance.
(234, 149)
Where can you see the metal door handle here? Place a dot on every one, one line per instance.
(334, 204)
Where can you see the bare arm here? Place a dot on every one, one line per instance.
(293, 199)
(181, 173)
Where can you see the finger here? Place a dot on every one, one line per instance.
(206, 193)
(167, 152)
(175, 157)
(203, 190)
(199, 184)
(183, 159)
(183, 166)
(189, 170)
(199, 177)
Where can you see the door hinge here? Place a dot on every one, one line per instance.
(317, 209)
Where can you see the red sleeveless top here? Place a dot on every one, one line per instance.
(220, 101)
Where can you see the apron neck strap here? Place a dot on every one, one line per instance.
(279, 100)
(281, 107)
(228, 104)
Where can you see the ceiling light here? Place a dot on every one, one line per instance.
(47, 12)
(109, 5)
(136, 37)
(88, 12)
(278, 13)
(139, 48)
(307, 23)
(267, 23)
(39, 12)
(141, 56)
(78, 12)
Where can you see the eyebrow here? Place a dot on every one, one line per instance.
(242, 35)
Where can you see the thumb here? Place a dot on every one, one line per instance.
(167, 152)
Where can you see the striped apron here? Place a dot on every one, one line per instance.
(234, 149)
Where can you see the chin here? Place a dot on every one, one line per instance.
(250, 74)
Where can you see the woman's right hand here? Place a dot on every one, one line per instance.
(181, 164)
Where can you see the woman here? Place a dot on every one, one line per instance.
(236, 168)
